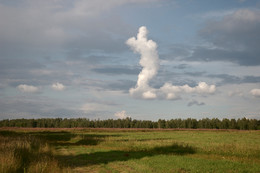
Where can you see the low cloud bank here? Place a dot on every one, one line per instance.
(149, 60)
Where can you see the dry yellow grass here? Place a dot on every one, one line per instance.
(26, 154)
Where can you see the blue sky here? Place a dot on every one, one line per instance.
(69, 59)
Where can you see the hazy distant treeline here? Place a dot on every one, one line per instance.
(206, 123)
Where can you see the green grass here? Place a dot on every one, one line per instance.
(97, 150)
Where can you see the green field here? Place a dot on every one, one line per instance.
(125, 150)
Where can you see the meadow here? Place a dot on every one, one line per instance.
(128, 150)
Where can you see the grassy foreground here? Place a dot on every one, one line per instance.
(124, 150)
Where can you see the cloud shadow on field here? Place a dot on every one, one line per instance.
(70, 139)
(60, 138)
(67, 139)
(103, 157)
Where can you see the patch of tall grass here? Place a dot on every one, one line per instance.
(25, 153)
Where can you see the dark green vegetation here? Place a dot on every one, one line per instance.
(125, 150)
(241, 124)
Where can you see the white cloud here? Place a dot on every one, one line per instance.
(27, 88)
(216, 14)
(172, 92)
(255, 92)
(94, 106)
(89, 107)
(121, 115)
(58, 86)
(149, 60)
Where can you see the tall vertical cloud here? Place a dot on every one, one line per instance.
(149, 60)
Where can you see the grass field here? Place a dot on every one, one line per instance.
(125, 150)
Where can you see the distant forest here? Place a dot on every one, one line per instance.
(206, 123)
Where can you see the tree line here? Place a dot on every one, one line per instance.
(205, 123)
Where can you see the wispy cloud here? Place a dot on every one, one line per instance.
(233, 37)
(215, 14)
(97, 106)
(235, 93)
(116, 70)
(27, 88)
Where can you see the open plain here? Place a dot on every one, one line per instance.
(128, 150)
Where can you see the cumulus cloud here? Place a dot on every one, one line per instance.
(255, 92)
(58, 86)
(27, 88)
(172, 92)
(149, 60)
(121, 115)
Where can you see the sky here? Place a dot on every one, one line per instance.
(144, 59)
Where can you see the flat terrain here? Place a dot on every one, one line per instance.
(128, 150)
